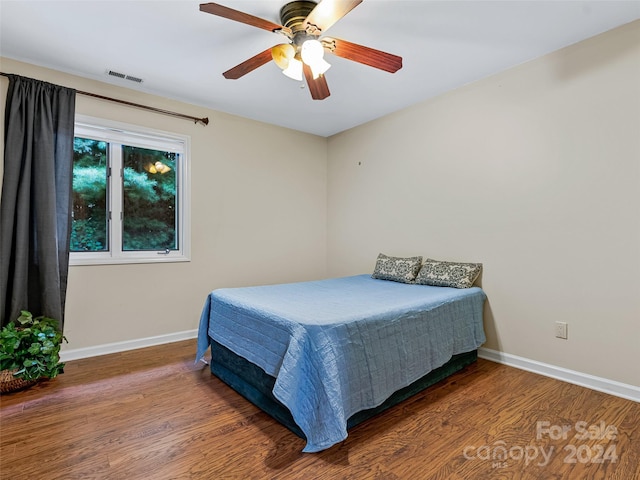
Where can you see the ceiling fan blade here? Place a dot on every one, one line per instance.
(318, 86)
(248, 65)
(231, 14)
(328, 12)
(366, 55)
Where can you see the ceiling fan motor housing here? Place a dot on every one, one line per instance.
(293, 15)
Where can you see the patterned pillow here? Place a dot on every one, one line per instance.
(397, 269)
(448, 274)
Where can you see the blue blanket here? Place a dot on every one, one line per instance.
(339, 346)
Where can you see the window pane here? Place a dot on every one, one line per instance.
(149, 199)
(89, 216)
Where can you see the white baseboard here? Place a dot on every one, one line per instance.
(78, 353)
(630, 392)
(623, 390)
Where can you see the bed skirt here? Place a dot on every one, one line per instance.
(255, 385)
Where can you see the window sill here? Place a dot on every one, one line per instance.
(126, 260)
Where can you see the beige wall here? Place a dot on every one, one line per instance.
(536, 173)
(258, 216)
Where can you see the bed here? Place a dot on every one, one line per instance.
(322, 356)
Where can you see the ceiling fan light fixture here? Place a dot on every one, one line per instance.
(312, 54)
(311, 51)
(294, 70)
(319, 67)
(282, 54)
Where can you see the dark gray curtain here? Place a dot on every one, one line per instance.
(35, 209)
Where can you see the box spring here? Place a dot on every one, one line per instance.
(255, 385)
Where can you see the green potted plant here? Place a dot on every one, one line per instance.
(29, 351)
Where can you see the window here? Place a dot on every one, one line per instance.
(130, 194)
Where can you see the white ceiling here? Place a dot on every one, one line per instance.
(180, 52)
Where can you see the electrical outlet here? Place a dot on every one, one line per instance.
(561, 330)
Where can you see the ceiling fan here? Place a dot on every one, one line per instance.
(303, 23)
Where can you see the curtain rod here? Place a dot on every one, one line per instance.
(204, 120)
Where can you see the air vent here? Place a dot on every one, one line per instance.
(116, 74)
(124, 76)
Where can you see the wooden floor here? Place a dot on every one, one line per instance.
(152, 414)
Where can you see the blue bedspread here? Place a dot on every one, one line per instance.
(342, 345)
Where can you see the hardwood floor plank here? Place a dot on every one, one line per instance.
(154, 414)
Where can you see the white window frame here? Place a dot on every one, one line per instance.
(116, 134)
